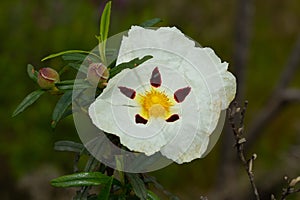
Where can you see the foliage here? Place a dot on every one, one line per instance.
(94, 173)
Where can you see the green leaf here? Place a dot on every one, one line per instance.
(104, 28)
(131, 64)
(105, 21)
(81, 179)
(138, 185)
(105, 191)
(68, 52)
(152, 196)
(65, 82)
(32, 73)
(150, 22)
(74, 57)
(29, 100)
(69, 146)
(67, 113)
(70, 84)
(62, 105)
(65, 87)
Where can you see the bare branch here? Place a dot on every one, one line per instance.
(288, 163)
(291, 95)
(290, 188)
(238, 131)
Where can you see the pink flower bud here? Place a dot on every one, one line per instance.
(47, 78)
(98, 74)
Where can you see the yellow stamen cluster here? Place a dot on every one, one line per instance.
(155, 103)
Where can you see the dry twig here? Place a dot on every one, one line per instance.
(290, 189)
(236, 120)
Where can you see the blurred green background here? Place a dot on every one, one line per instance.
(31, 30)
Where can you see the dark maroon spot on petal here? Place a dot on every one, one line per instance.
(140, 120)
(155, 80)
(130, 93)
(173, 118)
(180, 94)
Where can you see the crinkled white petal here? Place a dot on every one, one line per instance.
(181, 64)
(164, 38)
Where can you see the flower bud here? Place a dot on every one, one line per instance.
(47, 78)
(98, 74)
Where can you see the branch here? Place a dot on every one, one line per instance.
(271, 179)
(291, 187)
(291, 95)
(237, 126)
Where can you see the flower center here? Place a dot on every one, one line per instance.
(155, 103)
(157, 110)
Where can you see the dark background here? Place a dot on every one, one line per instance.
(257, 42)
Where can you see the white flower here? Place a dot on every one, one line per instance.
(170, 103)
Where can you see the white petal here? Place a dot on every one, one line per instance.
(164, 38)
(181, 64)
(198, 125)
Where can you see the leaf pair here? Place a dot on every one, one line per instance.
(86, 179)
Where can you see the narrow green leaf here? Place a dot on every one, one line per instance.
(65, 82)
(74, 57)
(131, 64)
(32, 73)
(105, 191)
(138, 185)
(68, 146)
(69, 84)
(67, 113)
(152, 196)
(91, 164)
(68, 52)
(72, 82)
(62, 105)
(27, 101)
(105, 21)
(65, 87)
(104, 28)
(81, 179)
(150, 22)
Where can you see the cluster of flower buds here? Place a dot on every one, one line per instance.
(97, 75)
